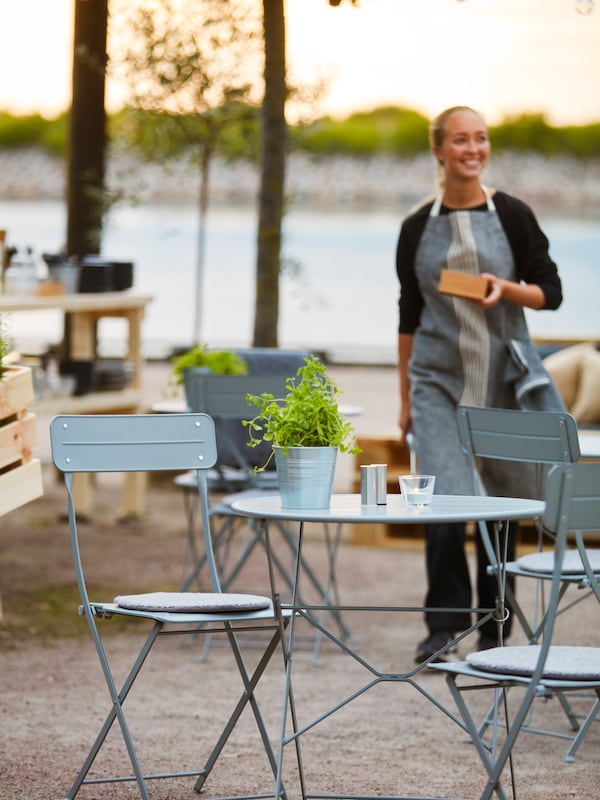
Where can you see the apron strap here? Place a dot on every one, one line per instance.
(437, 203)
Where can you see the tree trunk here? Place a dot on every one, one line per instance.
(203, 197)
(87, 129)
(272, 181)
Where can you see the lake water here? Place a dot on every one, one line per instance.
(343, 299)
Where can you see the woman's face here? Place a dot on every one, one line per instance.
(465, 147)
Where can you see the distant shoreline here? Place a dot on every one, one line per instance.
(561, 185)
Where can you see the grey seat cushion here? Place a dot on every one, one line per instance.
(189, 602)
(544, 562)
(563, 662)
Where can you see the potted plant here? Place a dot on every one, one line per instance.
(221, 362)
(306, 429)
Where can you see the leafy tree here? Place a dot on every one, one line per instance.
(189, 65)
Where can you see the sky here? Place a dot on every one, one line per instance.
(504, 57)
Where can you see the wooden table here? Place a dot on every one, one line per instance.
(84, 311)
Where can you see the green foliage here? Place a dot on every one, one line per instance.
(187, 67)
(308, 416)
(164, 134)
(387, 129)
(221, 362)
(167, 134)
(33, 130)
(528, 132)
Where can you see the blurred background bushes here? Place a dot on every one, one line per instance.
(394, 131)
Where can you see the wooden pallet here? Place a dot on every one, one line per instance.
(20, 474)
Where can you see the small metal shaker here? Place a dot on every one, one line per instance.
(368, 485)
(380, 484)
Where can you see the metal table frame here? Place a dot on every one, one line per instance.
(345, 508)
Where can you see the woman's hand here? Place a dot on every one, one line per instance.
(494, 293)
(405, 422)
(527, 295)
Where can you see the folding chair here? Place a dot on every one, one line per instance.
(572, 507)
(223, 397)
(542, 439)
(140, 443)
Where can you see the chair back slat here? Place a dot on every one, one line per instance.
(224, 396)
(132, 442)
(515, 435)
(573, 498)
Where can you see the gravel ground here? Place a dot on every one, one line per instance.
(389, 741)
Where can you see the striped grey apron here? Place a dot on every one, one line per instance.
(461, 352)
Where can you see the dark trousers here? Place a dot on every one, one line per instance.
(449, 582)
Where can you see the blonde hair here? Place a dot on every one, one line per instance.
(437, 128)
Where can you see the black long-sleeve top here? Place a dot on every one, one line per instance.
(527, 241)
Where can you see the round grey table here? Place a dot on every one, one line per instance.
(443, 508)
(348, 508)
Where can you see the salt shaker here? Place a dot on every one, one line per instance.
(368, 485)
(380, 484)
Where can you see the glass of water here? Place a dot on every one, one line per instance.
(417, 490)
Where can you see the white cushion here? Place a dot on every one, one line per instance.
(565, 367)
(576, 374)
(544, 562)
(568, 663)
(586, 408)
(192, 602)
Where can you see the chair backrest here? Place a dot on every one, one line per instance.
(134, 443)
(573, 509)
(224, 398)
(540, 437)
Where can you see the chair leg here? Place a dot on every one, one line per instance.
(116, 712)
(577, 740)
(248, 696)
(493, 758)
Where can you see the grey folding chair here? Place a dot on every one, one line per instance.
(223, 397)
(572, 512)
(541, 439)
(161, 442)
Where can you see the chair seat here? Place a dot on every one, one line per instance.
(544, 562)
(563, 662)
(190, 602)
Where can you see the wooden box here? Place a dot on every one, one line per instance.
(20, 474)
(461, 284)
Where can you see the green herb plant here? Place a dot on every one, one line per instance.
(221, 362)
(308, 416)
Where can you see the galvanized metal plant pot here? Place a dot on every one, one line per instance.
(305, 476)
